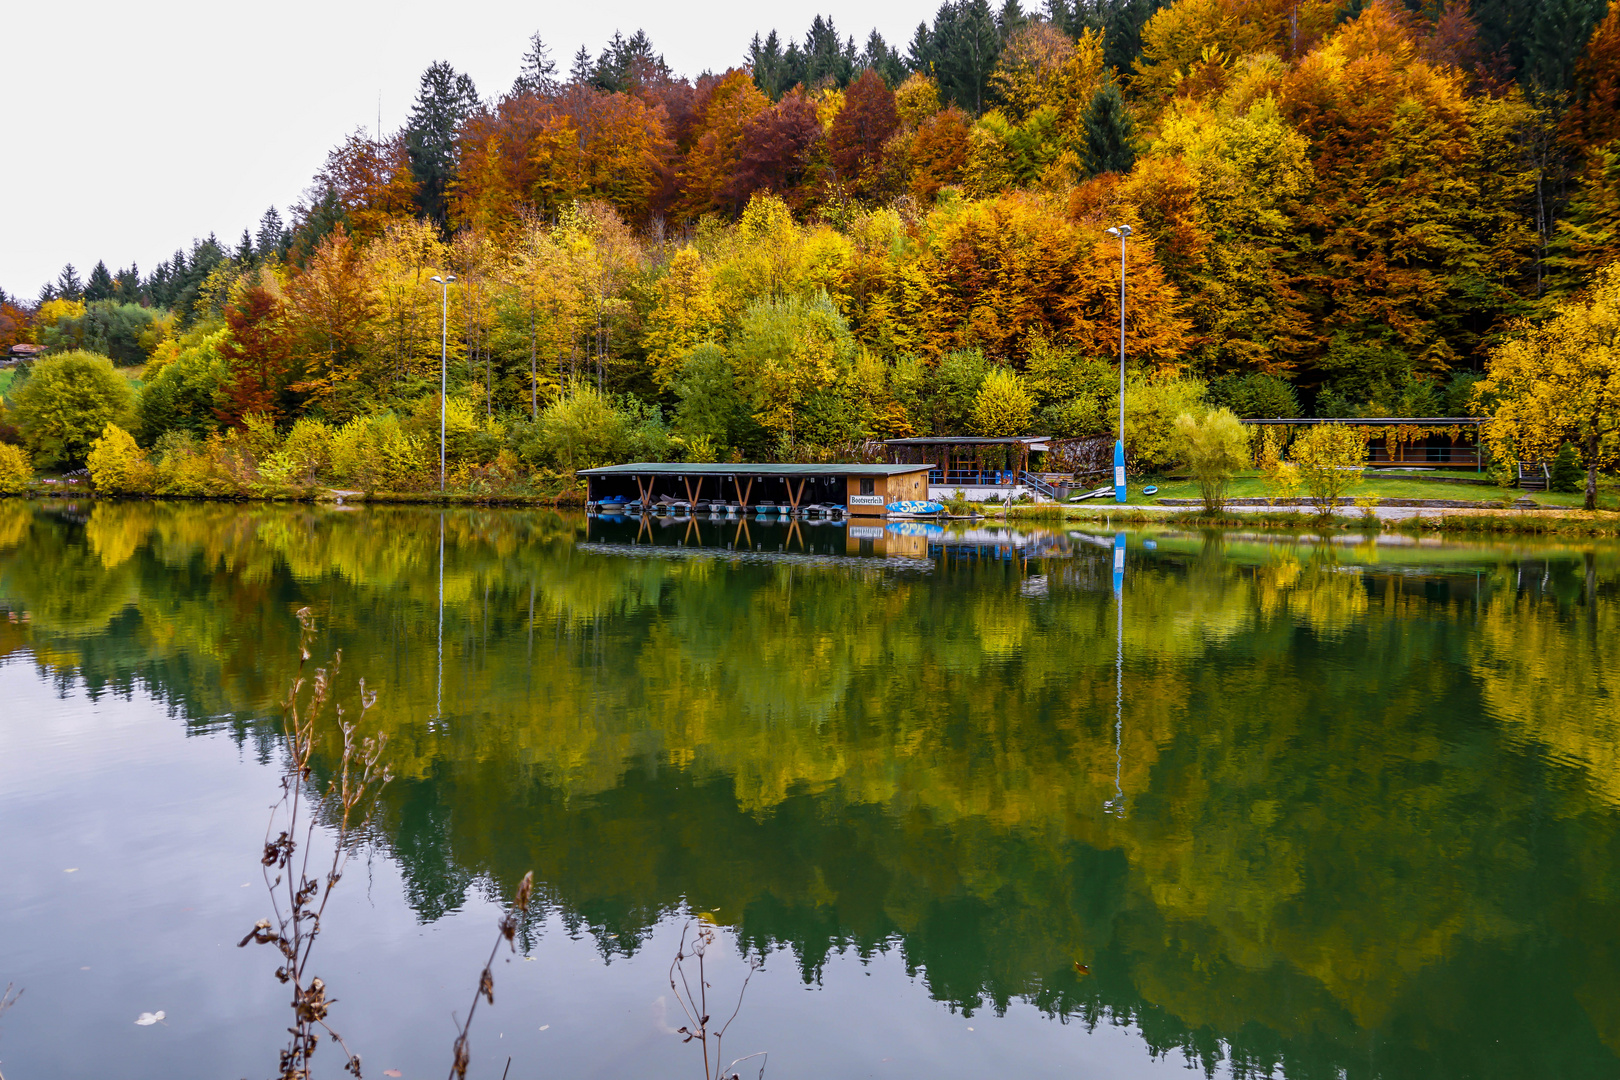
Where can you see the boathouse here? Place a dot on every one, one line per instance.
(980, 468)
(858, 490)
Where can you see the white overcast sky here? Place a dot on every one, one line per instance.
(131, 128)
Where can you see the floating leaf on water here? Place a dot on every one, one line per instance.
(148, 1019)
(708, 917)
(543, 1027)
(71, 870)
(392, 1072)
(1081, 969)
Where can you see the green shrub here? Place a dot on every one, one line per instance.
(184, 466)
(377, 453)
(15, 470)
(304, 457)
(585, 428)
(1213, 448)
(1331, 458)
(183, 395)
(711, 405)
(470, 437)
(1151, 410)
(67, 402)
(117, 465)
(1567, 474)
(1255, 396)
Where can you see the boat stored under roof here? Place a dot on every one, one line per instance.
(709, 468)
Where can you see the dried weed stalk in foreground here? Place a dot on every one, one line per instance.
(696, 1004)
(297, 899)
(8, 998)
(486, 980)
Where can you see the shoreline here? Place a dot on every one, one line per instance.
(1467, 519)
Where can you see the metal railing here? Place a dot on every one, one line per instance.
(1036, 484)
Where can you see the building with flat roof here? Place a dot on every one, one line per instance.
(858, 490)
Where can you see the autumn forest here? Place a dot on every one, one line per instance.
(1337, 209)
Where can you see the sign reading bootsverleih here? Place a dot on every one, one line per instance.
(866, 500)
(865, 532)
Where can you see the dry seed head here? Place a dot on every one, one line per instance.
(525, 887)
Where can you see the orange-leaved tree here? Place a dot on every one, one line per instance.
(259, 353)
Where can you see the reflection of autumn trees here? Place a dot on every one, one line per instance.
(1356, 790)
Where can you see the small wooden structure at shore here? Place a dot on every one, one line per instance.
(857, 490)
(1393, 442)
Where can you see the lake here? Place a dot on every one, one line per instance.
(1049, 802)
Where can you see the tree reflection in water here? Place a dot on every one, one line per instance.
(1373, 789)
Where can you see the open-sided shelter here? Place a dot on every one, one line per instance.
(860, 489)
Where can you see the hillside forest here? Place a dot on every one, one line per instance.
(1336, 209)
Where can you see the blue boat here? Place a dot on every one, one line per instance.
(915, 506)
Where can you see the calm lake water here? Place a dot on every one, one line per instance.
(1276, 807)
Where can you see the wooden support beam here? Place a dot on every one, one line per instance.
(793, 500)
(743, 492)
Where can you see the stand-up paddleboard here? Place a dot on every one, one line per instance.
(1093, 494)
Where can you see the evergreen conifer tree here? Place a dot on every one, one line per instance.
(100, 285)
(272, 238)
(1567, 474)
(537, 72)
(127, 285)
(1108, 133)
(68, 285)
(579, 72)
(444, 99)
(765, 60)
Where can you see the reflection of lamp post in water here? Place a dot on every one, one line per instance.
(1119, 448)
(438, 697)
(1116, 805)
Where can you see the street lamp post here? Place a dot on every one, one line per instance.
(1119, 447)
(444, 354)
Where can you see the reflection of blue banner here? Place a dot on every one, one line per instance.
(916, 528)
(912, 506)
(1119, 561)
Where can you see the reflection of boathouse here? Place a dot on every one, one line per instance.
(858, 490)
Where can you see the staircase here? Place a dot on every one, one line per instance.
(1037, 485)
(1534, 476)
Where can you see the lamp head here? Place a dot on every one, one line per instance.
(1122, 231)
(437, 280)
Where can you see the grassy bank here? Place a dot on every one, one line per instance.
(67, 488)
(1379, 485)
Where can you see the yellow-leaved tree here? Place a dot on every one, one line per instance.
(16, 471)
(118, 466)
(1003, 407)
(1560, 381)
(686, 313)
(1331, 459)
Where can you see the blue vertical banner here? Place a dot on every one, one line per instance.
(1119, 472)
(1119, 562)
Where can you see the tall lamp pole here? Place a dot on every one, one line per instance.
(1119, 447)
(444, 361)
